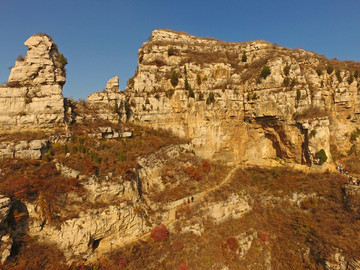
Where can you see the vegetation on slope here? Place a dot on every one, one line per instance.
(300, 235)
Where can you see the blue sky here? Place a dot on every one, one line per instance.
(100, 38)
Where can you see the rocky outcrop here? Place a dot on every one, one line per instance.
(243, 101)
(109, 104)
(233, 208)
(24, 149)
(5, 239)
(33, 95)
(113, 84)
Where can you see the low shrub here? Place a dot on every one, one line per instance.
(20, 58)
(198, 79)
(191, 93)
(210, 99)
(171, 51)
(265, 72)
(193, 173)
(298, 95)
(356, 74)
(201, 96)
(174, 78)
(338, 76)
(286, 70)
(140, 56)
(329, 70)
(183, 266)
(321, 156)
(63, 60)
(350, 79)
(170, 93)
(286, 81)
(159, 233)
(312, 134)
(244, 57)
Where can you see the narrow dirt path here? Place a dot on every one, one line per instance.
(197, 198)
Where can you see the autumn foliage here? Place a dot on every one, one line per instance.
(159, 233)
(193, 173)
(183, 266)
(34, 179)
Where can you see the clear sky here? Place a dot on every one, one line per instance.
(101, 38)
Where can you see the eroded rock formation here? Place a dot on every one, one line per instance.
(242, 101)
(32, 98)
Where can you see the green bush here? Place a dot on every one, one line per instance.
(244, 57)
(298, 95)
(293, 82)
(171, 51)
(287, 70)
(191, 93)
(356, 74)
(198, 79)
(62, 60)
(321, 156)
(211, 98)
(286, 81)
(329, 69)
(121, 156)
(312, 133)
(170, 93)
(174, 78)
(338, 76)
(265, 72)
(354, 135)
(141, 56)
(319, 72)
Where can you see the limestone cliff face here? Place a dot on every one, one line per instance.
(33, 94)
(244, 101)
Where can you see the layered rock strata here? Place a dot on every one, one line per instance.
(243, 101)
(32, 97)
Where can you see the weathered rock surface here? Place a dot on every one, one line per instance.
(32, 98)
(216, 94)
(113, 84)
(24, 149)
(5, 239)
(234, 207)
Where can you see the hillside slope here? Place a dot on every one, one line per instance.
(218, 155)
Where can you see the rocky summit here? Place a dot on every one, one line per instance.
(32, 98)
(217, 155)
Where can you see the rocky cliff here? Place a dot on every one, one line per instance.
(32, 98)
(246, 101)
(108, 193)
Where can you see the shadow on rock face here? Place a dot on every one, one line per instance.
(17, 225)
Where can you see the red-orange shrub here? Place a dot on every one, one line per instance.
(232, 243)
(193, 173)
(159, 233)
(205, 166)
(183, 266)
